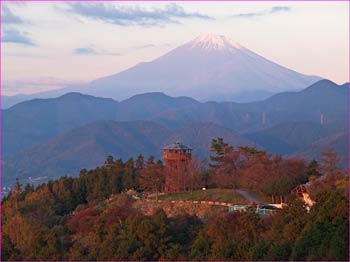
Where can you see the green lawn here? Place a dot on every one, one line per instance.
(217, 195)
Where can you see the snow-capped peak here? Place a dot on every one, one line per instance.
(215, 42)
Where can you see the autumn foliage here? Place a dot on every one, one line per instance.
(90, 217)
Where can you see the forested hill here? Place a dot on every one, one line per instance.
(90, 218)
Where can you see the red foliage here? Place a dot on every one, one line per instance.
(119, 213)
(83, 220)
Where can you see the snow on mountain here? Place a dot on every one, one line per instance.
(213, 42)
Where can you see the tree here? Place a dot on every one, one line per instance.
(283, 176)
(64, 201)
(330, 173)
(326, 234)
(201, 248)
(78, 192)
(129, 176)
(256, 171)
(8, 249)
(313, 169)
(52, 249)
(20, 233)
(28, 188)
(139, 166)
(329, 161)
(140, 162)
(218, 149)
(234, 235)
(16, 193)
(195, 174)
(109, 161)
(227, 174)
(152, 176)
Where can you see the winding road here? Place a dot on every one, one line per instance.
(248, 196)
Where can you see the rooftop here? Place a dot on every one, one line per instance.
(178, 145)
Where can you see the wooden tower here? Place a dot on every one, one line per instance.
(177, 158)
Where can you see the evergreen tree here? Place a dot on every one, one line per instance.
(218, 149)
(140, 162)
(109, 161)
(152, 177)
(129, 176)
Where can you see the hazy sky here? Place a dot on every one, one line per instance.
(47, 45)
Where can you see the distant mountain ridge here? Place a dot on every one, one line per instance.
(75, 131)
(37, 120)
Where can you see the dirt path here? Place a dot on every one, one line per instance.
(248, 196)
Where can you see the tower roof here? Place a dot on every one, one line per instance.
(178, 145)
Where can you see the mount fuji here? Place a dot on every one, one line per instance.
(210, 67)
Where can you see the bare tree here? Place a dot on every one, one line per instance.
(152, 177)
(195, 174)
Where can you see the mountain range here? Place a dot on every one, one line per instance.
(59, 136)
(208, 68)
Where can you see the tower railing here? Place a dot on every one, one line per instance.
(176, 156)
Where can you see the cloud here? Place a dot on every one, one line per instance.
(273, 10)
(34, 85)
(145, 46)
(280, 8)
(85, 51)
(7, 17)
(126, 16)
(92, 51)
(15, 36)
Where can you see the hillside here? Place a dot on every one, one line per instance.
(289, 137)
(89, 146)
(339, 142)
(37, 120)
(199, 136)
(324, 97)
(95, 217)
(146, 106)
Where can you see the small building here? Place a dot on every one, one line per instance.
(177, 157)
(260, 210)
(265, 210)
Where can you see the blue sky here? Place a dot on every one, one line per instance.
(47, 45)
